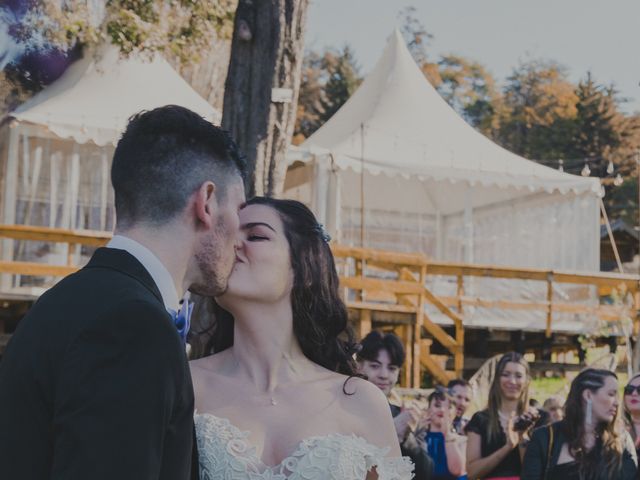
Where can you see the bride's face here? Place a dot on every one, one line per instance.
(262, 272)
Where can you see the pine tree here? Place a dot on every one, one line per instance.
(597, 121)
(540, 106)
(328, 80)
(470, 89)
(342, 82)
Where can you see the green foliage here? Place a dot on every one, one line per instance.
(343, 80)
(415, 34)
(328, 80)
(539, 105)
(543, 388)
(416, 37)
(597, 121)
(622, 201)
(181, 28)
(471, 91)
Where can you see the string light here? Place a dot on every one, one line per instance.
(610, 167)
(618, 180)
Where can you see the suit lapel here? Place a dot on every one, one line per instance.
(125, 263)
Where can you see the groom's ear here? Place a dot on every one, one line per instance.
(205, 204)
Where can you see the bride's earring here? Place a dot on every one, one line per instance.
(589, 414)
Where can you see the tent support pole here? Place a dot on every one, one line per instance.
(468, 227)
(610, 233)
(362, 185)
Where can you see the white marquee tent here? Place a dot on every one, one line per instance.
(397, 155)
(56, 148)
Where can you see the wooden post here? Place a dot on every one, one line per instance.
(361, 266)
(460, 293)
(459, 353)
(636, 306)
(364, 327)
(407, 333)
(416, 377)
(71, 249)
(550, 306)
(365, 316)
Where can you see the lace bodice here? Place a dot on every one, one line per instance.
(225, 454)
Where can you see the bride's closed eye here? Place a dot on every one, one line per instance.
(256, 238)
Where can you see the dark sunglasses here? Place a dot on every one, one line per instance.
(629, 389)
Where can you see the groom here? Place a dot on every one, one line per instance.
(95, 383)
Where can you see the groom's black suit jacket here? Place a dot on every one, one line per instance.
(95, 383)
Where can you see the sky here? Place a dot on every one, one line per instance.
(601, 36)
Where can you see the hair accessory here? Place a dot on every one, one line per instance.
(319, 229)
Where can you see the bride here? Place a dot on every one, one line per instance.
(280, 399)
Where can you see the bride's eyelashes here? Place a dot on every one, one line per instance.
(256, 238)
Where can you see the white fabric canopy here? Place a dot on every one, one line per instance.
(432, 183)
(59, 147)
(398, 123)
(95, 97)
(398, 167)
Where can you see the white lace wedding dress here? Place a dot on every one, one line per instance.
(225, 454)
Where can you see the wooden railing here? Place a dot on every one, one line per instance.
(72, 238)
(388, 284)
(396, 283)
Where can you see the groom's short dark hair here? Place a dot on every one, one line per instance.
(163, 156)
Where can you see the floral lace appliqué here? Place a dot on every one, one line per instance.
(226, 454)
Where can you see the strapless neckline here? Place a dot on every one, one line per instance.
(226, 453)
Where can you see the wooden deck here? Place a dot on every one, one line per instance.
(385, 288)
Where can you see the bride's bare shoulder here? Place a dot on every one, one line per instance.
(357, 390)
(365, 393)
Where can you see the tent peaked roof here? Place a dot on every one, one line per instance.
(94, 98)
(397, 123)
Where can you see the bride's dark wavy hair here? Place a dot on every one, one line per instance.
(320, 321)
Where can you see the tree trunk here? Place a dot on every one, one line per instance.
(261, 90)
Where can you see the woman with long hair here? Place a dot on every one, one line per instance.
(632, 409)
(497, 435)
(279, 398)
(590, 443)
(444, 445)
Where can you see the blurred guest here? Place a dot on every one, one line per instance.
(553, 406)
(632, 409)
(380, 360)
(460, 394)
(497, 435)
(444, 445)
(589, 444)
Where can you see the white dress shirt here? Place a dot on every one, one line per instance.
(153, 265)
